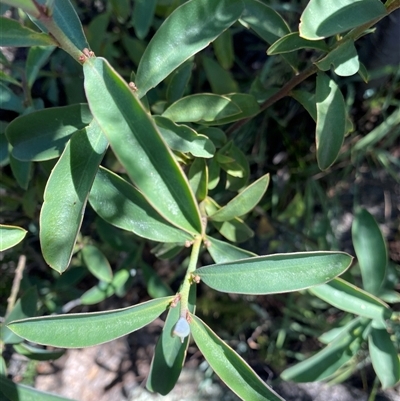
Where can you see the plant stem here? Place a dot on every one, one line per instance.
(188, 280)
(16, 283)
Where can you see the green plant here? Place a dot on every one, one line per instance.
(167, 165)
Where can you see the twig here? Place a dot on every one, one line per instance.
(16, 283)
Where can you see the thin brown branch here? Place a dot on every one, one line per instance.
(16, 284)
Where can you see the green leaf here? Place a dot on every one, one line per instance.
(142, 16)
(307, 100)
(184, 139)
(10, 236)
(170, 352)
(155, 286)
(22, 171)
(201, 108)
(234, 230)
(42, 135)
(229, 366)
(321, 19)
(105, 290)
(293, 42)
(37, 58)
(19, 392)
(275, 273)
(384, 356)
(36, 353)
(13, 34)
(327, 361)
(244, 202)
(189, 29)
(77, 330)
(223, 252)
(122, 205)
(370, 249)
(216, 135)
(27, 5)
(264, 20)
(66, 194)
(97, 263)
(96, 31)
(9, 100)
(223, 48)
(331, 121)
(350, 298)
(139, 146)
(247, 104)
(198, 178)
(24, 307)
(214, 171)
(344, 59)
(66, 19)
(178, 81)
(221, 81)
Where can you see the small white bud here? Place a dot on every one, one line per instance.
(181, 329)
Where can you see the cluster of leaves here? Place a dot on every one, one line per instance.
(157, 163)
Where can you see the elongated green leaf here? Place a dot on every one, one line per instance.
(9, 100)
(66, 194)
(221, 80)
(184, 139)
(105, 290)
(10, 236)
(222, 251)
(189, 29)
(155, 286)
(78, 330)
(370, 249)
(24, 307)
(27, 5)
(205, 107)
(22, 171)
(19, 392)
(229, 366)
(198, 178)
(223, 48)
(264, 20)
(268, 24)
(214, 171)
(97, 263)
(292, 42)
(235, 230)
(13, 34)
(122, 205)
(139, 146)
(344, 59)
(67, 20)
(331, 121)
(350, 298)
(36, 353)
(384, 356)
(321, 19)
(327, 361)
(244, 202)
(170, 352)
(275, 273)
(142, 16)
(178, 81)
(307, 100)
(37, 58)
(247, 104)
(42, 135)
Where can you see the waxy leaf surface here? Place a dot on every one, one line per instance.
(139, 146)
(10, 236)
(229, 366)
(189, 29)
(66, 195)
(275, 273)
(122, 205)
(77, 330)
